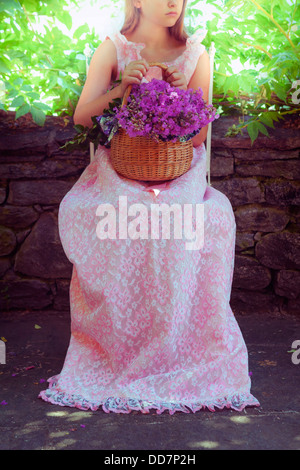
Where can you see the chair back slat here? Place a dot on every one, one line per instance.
(211, 53)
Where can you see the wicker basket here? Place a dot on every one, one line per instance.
(141, 158)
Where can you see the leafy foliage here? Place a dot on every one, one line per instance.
(86, 135)
(37, 69)
(43, 73)
(264, 36)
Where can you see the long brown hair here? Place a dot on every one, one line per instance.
(132, 19)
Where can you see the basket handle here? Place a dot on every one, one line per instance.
(128, 89)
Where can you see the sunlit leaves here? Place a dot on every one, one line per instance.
(9, 6)
(24, 109)
(65, 17)
(264, 36)
(38, 115)
(80, 31)
(44, 72)
(4, 66)
(50, 64)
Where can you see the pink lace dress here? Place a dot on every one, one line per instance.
(151, 323)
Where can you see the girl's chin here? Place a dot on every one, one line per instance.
(172, 18)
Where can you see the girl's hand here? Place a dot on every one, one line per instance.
(175, 78)
(134, 73)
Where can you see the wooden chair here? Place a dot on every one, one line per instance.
(211, 52)
(88, 55)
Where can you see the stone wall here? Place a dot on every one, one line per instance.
(261, 181)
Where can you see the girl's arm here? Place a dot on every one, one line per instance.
(95, 97)
(200, 79)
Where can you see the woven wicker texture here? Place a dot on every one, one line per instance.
(141, 158)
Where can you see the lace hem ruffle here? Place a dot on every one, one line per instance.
(53, 395)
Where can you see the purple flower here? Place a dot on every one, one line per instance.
(162, 112)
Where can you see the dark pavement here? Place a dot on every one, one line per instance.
(36, 344)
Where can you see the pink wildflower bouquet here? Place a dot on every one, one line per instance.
(162, 112)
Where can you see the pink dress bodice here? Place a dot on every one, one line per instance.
(128, 51)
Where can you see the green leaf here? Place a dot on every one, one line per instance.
(18, 81)
(37, 115)
(26, 87)
(262, 128)
(280, 91)
(41, 106)
(4, 66)
(24, 109)
(66, 19)
(252, 129)
(17, 102)
(231, 83)
(81, 30)
(33, 95)
(10, 5)
(266, 118)
(12, 93)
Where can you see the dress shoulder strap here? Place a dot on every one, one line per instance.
(127, 51)
(194, 49)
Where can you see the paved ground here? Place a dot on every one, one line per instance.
(35, 349)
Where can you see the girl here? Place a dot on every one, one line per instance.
(152, 327)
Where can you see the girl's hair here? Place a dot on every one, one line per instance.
(132, 19)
